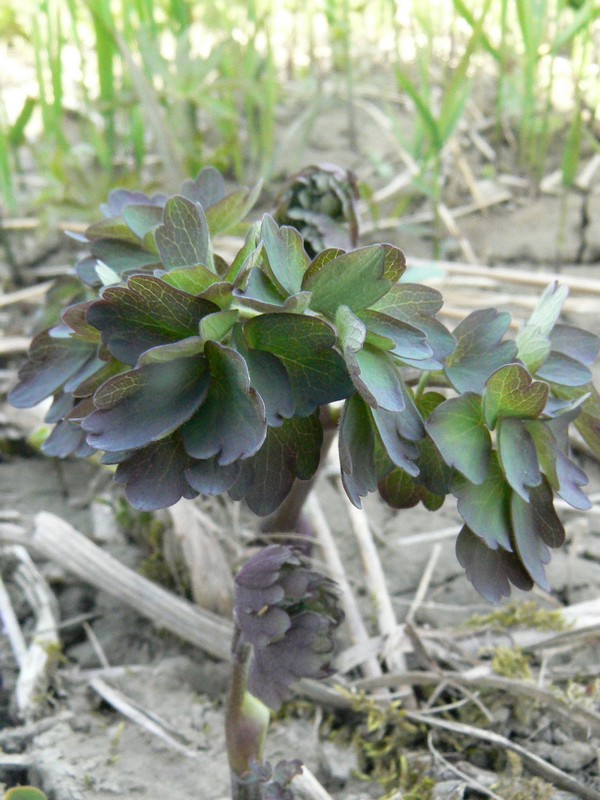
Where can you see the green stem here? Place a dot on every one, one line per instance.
(246, 724)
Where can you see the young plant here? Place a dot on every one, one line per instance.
(197, 375)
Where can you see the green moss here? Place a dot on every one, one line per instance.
(382, 737)
(148, 530)
(520, 615)
(511, 662)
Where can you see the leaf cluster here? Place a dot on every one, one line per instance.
(197, 375)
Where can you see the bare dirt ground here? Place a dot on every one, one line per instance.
(157, 730)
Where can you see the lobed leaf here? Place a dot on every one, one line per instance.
(286, 258)
(207, 189)
(183, 238)
(528, 539)
(145, 313)
(293, 450)
(121, 257)
(402, 453)
(230, 424)
(356, 444)
(304, 345)
(518, 456)
(376, 377)
(407, 342)
(490, 571)
(575, 343)
(52, 361)
(511, 392)
(485, 507)
(154, 476)
(354, 279)
(193, 280)
(227, 212)
(120, 199)
(141, 219)
(210, 478)
(564, 370)
(458, 430)
(146, 403)
(270, 379)
(480, 350)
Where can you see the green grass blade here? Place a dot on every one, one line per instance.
(6, 176)
(582, 21)
(462, 9)
(572, 151)
(17, 130)
(423, 110)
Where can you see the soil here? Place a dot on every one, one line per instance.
(80, 748)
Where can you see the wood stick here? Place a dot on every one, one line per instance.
(536, 764)
(57, 540)
(377, 585)
(30, 294)
(137, 715)
(10, 623)
(354, 620)
(38, 660)
(520, 276)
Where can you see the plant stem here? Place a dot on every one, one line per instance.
(288, 517)
(246, 724)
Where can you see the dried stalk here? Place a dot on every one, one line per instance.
(377, 586)
(39, 658)
(536, 764)
(124, 705)
(354, 620)
(58, 541)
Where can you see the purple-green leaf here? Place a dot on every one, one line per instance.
(145, 313)
(207, 189)
(407, 341)
(399, 490)
(304, 345)
(356, 443)
(286, 258)
(123, 256)
(209, 477)
(564, 370)
(154, 476)
(227, 212)
(576, 343)
(230, 424)
(490, 571)
(141, 219)
(193, 280)
(479, 349)
(290, 451)
(145, 404)
(183, 239)
(485, 506)
(518, 456)
(528, 539)
(354, 279)
(512, 392)
(389, 426)
(458, 429)
(377, 378)
(270, 379)
(52, 361)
